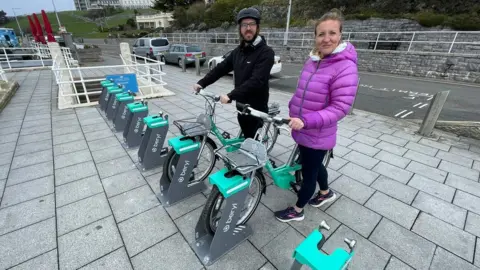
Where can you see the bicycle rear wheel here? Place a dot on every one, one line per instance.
(212, 212)
(298, 174)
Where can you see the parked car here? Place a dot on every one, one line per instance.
(150, 47)
(175, 53)
(277, 65)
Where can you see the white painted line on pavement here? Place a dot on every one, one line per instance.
(407, 114)
(424, 105)
(417, 104)
(400, 113)
(430, 98)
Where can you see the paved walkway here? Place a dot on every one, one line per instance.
(71, 196)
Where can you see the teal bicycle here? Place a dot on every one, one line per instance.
(287, 176)
(198, 129)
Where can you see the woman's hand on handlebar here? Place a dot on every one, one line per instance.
(296, 123)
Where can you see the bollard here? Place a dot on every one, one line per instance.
(184, 64)
(433, 112)
(354, 98)
(197, 66)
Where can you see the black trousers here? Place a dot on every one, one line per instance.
(313, 172)
(249, 125)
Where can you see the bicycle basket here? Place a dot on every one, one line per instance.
(250, 156)
(191, 128)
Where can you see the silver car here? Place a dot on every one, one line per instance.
(150, 47)
(176, 52)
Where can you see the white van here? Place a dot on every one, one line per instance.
(150, 47)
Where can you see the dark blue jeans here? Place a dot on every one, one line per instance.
(313, 172)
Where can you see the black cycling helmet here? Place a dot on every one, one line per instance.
(250, 12)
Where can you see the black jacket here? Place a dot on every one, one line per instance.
(251, 65)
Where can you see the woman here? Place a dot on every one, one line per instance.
(325, 92)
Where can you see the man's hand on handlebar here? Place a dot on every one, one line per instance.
(296, 123)
(224, 99)
(197, 87)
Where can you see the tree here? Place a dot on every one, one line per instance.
(170, 5)
(3, 17)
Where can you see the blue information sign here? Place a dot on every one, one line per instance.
(128, 81)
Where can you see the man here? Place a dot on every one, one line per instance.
(251, 63)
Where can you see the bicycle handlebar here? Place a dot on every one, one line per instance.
(246, 109)
(204, 93)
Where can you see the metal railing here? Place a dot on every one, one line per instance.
(36, 56)
(149, 71)
(3, 76)
(463, 42)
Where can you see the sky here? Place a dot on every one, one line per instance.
(30, 6)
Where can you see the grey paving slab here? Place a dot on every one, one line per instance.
(463, 184)
(59, 131)
(8, 147)
(91, 136)
(336, 163)
(444, 260)
(472, 224)
(352, 189)
(116, 260)
(11, 123)
(344, 141)
(36, 123)
(78, 190)
(393, 172)
(359, 173)
(365, 139)
(395, 189)
(434, 144)
(459, 170)
(81, 213)
(391, 148)
(27, 213)
(426, 171)
(392, 159)
(32, 172)
(45, 261)
(465, 153)
(445, 235)
(123, 182)
(354, 215)
(288, 240)
(72, 158)
(133, 202)
(66, 138)
(35, 130)
(95, 128)
(403, 244)
(369, 132)
(108, 154)
(27, 191)
(441, 209)
(156, 226)
(421, 148)
(467, 201)
(396, 264)
(393, 209)
(115, 166)
(89, 243)
(457, 159)
(9, 130)
(27, 243)
(476, 165)
(181, 208)
(393, 140)
(6, 158)
(75, 172)
(422, 158)
(411, 136)
(367, 254)
(361, 159)
(31, 159)
(477, 254)
(66, 148)
(102, 144)
(58, 118)
(236, 258)
(33, 147)
(65, 123)
(4, 169)
(12, 137)
(432, 187)
(165, 254)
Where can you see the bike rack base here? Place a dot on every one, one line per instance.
(179, 188)
(120, 118)
(209, 248)
(105, 86)
(112, 103)
(151, 152)
(132, 134)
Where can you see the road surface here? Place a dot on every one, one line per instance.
(391, 95)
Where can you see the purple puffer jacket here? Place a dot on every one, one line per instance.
(325, 93)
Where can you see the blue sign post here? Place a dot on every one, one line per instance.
(128, 81)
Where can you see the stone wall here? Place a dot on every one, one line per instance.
(431, 65)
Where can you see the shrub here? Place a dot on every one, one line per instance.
(429, 19)
(464, 22)
(202, 27)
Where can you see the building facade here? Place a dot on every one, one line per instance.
(154, 21)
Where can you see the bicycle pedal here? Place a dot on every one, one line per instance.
(226, 135)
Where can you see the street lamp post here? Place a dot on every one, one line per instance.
(285, 38)
(56, 14)
(19, 28)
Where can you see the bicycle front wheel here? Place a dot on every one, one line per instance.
(203, 168)
(212, 213)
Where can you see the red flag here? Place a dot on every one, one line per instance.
(48, 27)
(34, 30)
(39, 29)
